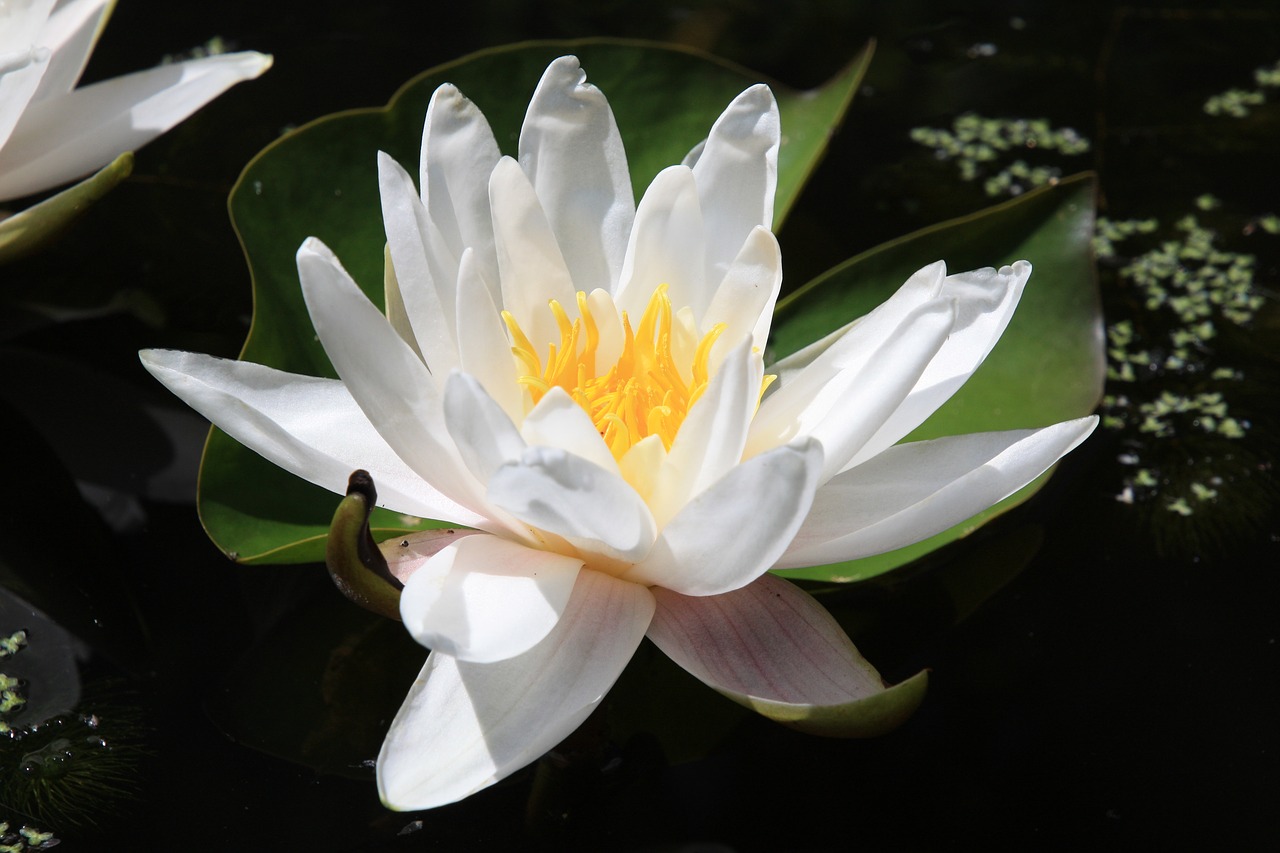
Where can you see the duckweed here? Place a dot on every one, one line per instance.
(977, 144)
(1236, 102)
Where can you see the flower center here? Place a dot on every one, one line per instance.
(643, 393)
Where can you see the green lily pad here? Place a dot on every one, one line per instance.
(28, 230)
(321, 181)
(1049, 365)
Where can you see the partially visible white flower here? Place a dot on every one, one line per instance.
(51, 132)
(581, 380)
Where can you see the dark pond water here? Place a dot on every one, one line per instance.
(1105, 659)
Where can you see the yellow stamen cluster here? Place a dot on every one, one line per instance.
(642, 394)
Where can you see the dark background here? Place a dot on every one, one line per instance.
(1104, 674)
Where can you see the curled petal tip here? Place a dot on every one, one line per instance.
(568, 62)
(310, 247)
(1020, 268)
(264, 62)
(759, 92)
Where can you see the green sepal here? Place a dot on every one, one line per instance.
(356, 565)
(27, 231)
(870, 716)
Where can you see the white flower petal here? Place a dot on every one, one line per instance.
(912, 491)
(557, 421)
(458, 156)
(711, 439)
(609, 325)
(70, 34)
(484, 434)
(641, 466)
(573, 155)
(483, 348)
(745, 299)
(880, 388)
(393, 299)
(771, 647)
(733, 532)
(802, 374)
(385, 377)
(695, 153)
(485, 599)
(20, 75)
(464, 726)
(595, 510)
(985, 301)
(22, 24)
(427, 276)
(308, 426)
(737, 171)
(848, 408)
(790, 368)
(667, 246)
(62, 138)
(532, 269)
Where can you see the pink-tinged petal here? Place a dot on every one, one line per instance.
(532, 268)
(384, 375)
(485, 436)
(737, 173)
(985, 301)
(593, 509)
(406, 554)
(667, 246)
(484, 599)
(847, 409)
(571, 150)
(426, 272)
(557, 421)
(770, 647)
(912, 491)
(483, 348)
(745, 299)
(63, 138)
(464, 726)
(733, 532)
(458, 156)
(710, 441)
(70, 34)
(308, 426)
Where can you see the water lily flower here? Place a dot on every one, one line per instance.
(50, 131)
(580, 381)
